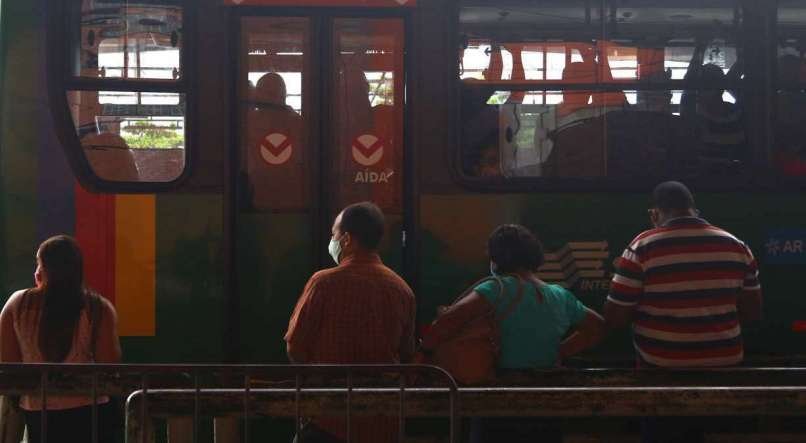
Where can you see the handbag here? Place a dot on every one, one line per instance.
(470, 352)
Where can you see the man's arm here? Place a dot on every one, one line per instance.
(304, 324)
(617, 316)
(626, 289)
(407, 339)
(749, 303)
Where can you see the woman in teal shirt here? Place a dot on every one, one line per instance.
(543, 327)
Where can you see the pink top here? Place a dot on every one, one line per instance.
(26, 326)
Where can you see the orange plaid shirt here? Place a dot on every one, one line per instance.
(358, 312)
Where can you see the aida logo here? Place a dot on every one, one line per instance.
(367, 149)
(577, 263)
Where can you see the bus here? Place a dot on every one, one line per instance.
(200, 149)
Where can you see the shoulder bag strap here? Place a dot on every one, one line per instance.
(514, 304)
(473, 287)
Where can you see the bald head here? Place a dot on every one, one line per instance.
(672, 197)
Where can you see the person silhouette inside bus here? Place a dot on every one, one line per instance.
(790, 118)
(110, 157)
(718, 123)
(271, 125)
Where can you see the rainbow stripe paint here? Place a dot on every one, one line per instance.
(118, 236)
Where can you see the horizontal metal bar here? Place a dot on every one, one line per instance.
(631, 85)
(120, 84)
(491, 402)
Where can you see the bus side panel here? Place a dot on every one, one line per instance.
(274, 262)
(584, 233)
(189, 283)
(23, 108)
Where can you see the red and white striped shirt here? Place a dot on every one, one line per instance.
(684, 279)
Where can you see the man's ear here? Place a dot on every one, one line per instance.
(346, 240)
(654, 216)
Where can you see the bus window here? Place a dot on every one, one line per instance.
(131, 40)
(126, 92)
(275, 150)
(544, 102)
(131, 137)
(789, 113)
(369, 112)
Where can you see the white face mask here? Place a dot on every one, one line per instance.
(334, 248)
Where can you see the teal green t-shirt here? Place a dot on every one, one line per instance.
(531, 334)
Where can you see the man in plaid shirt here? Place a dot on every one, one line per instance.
(358, 312)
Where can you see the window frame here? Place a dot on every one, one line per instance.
(62, 79)
(754, 179)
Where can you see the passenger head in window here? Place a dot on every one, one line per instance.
(110, 157)
(270, 90)
(710, 76)
(489, 161)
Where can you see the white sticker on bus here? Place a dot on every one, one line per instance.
(367, 149)
(276, 149)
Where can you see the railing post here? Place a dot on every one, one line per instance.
(12, 424)
(139, 428)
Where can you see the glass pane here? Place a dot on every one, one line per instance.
(544, 16)
(501, 139)
(526, 42)
(275, 150)
(139, 138)
(584, 134)
(789, 122)
(369, 112)
(671, 40)
(132, 40)
(791, 43)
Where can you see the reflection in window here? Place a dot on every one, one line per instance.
(131, 142)
(132, 41)
(576, 138)
(588, 129)
(789, 114)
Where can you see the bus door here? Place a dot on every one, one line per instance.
(320, 126)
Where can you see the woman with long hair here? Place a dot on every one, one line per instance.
(60, 321)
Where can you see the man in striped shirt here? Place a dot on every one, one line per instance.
(685, 286)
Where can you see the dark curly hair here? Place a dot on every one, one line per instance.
(515, 248)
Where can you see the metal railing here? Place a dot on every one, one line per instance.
(241, 392)
(246, 391)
